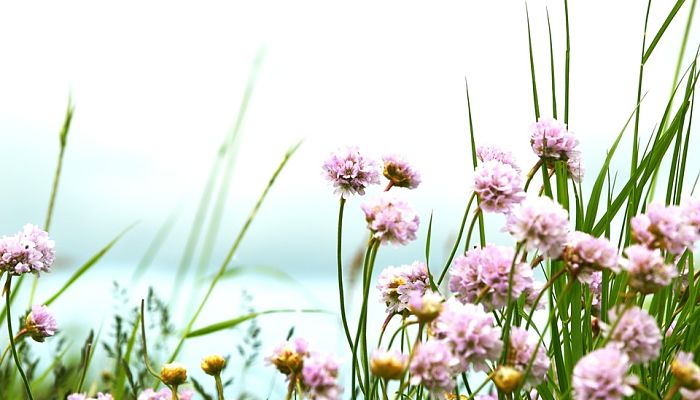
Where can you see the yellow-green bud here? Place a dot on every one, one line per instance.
(687, 373)
(213, 364)
(173, 374)
(387, 365)
(507, 378)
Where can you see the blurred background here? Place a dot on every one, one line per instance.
(158, 87)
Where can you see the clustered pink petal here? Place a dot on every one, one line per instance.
(690, 212)
(575, 167)
(585, 254)
(397, 284)
(485, 274)
(531, 293)
(498, 186)
(433, 366)
(550, 139)
(522, 346)
(471, 333)
(603, 375)
(636, 334)
(540, 224)
(399, 172)
(664, 227)
(30, 250)
(647, 269)
(391, 220)
(320, 378)
(165, 394)
(488, 153)
(40, 323)
(288, 356)
(350, 172)
(595, 285)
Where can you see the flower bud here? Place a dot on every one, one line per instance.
(388, 364)
(213, 364)
(507, 378)
(40, 323)
(173, 374)
(686, 371)
(426, 307)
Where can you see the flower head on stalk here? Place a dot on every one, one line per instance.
(686, 371)
(397, 284)
(664, 227)
(320, 378)
(434, 366)
(550, 139)
(425, 307)
(388, 364)
(635, 333)
(391, 220)
(40, 323)
(603, 374)
(540, 223)
(488, 153)
(400, 173)
(288, 357)
(484, 275)
(585, 254)
(471, 333)
(498, 186)
(350, 172)
(522, 346)
(30, 250)
(647, 269)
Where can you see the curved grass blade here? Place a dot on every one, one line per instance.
(155, 246)
(662, 30)
(232, 323)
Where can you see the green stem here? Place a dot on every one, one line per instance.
(231, 252)
(458, 241)
(341, 291)
(219, 387)
(8, 284)
(477, 214)
(173, 391)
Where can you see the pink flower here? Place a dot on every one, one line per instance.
(488, 153)
(647, 269)
(433, 365)
(40, 323)
(320, 378)
(603, 375)
(636, 334)
(522, 346)
(391, 220)
(498, 186)
(663, 227)
(350, 172)
(585, 254)
(541, 224)
(550, 139)
(400, 173)
(30, 250)
(397, 284)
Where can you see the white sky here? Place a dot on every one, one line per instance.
(157, 86)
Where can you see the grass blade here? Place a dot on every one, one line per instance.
(232, 323)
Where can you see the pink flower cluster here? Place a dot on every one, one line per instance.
(40, 323)
(399, 172)
(498, 186)
(391, 220)
(165, 394)
(551, 140)
(520, 351)
(635, 333)
(397, 284)
(669, 228)
(489, 153)
(647, 269)
(603, 374)
(433, 366)
(484, 274)
(30, 250)
(540, 224)
(585, 254)
(350, 172)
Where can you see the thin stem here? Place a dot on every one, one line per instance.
(477, 214)
(341, 291)
(18, 336)
(549, 283)
(219, 387)
(146, 361)
(173, 391)
(8, 284)
(532, 173)
(672, 391)
(459, 239)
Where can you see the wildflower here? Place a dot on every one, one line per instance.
(30, 250)
(595, 285)
(603, 375)
(551, 140)
(487, 153)
(433, 366)
(40, 323)
(213, 364)
(426, 307)
(522, 345)
(540, 224)
(400, 173)
(531, 293)
(484, 275)
(350, 172)
(647, 269)
(636, 334)
(585, 254)
(81, 396)
(575, 168)
(289, 356)
(388, 364)
(165, 394)
(397, 284)
(498, 186)
(690, 212)
(391, 220)
(471, 333)
(320, 378)
(686, 371)
(663, 227)
(173, 374)
(507, 378)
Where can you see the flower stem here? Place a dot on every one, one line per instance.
(173, 391)
(12, 339)
(341, 291)
(19, 335)
(459, 239)
(477, 214)
(219, 387)
(672, 391)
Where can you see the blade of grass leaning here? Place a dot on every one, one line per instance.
(662, 29)
(120, 381)
(482, 229)
(232, 250)
(221, 199)
(154, 247)
(232, 323)
(684, 158)
(673, 172)
(567, 65)
(37, 382)
(551, 66)
(532, 67)
(427, 253)
(86, 267)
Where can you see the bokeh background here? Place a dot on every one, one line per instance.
(157, 88)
